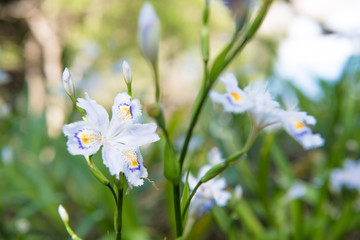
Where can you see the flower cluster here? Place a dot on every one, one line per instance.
(348, 176)
(120, 137)
(264, 111)
(209, 193)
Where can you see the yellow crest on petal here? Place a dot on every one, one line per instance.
(125, 112)
(132, 159)
(236, 97)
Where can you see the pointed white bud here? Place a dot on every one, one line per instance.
(63, 214)
(68, 83)
(149, 32)
(126, 72)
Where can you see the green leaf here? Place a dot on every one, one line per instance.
(296, 215)
(281, 162)
(222, 219)
(217, 67)
(248, 218)
(185, 196)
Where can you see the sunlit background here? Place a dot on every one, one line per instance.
(306, 49)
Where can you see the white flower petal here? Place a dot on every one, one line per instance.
(120, 159)
(221, 197)
(218, 184)
(232, 102)
(136, 135)
(111, 159)
(302, 133)
(296, 191)
(215, 156)
(312, 141)
(83, 138)
(230, 82)
(133, 166)
(124, 110)
(192, 181)
(95, 113)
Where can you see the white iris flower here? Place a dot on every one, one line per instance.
(348, 176)
(120, 137)
(264, 111)
(234, 100)
(209, 193)
(294, 122)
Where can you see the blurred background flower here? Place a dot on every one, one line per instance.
(305, 48)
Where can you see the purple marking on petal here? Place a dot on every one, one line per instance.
(130, 109)
(133, 169)
(79, 140)
(301, 134)
(232, 102)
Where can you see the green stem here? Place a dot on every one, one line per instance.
(157, 81)
(202, 95)
(249, 34)
(193, 121)
(176, 191)
(128, 85)
(206, 73)
(118, 216)
(249, 142)
(71, 232)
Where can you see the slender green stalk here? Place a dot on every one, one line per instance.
(176, 191)
(71, 232)
(212, 78)
(249, 142)
(119, 205)
(157, 81)
(99, 176)
(202, 95)
(119, 213)
(129, 89)
(206, 73)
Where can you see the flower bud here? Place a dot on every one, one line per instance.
(205, 43)
(68, 83)
(63, 214)
(214, 171)
(149, 32)
(171, 164)
(126, 72)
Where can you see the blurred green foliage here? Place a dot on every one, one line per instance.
(41, 174)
